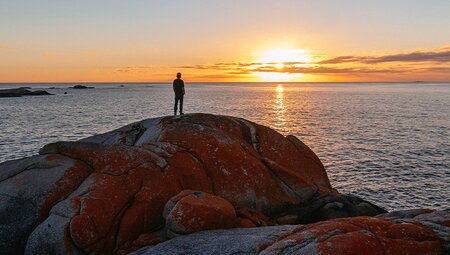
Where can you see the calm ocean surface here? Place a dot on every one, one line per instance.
(388, 143)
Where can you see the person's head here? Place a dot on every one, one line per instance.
(178, 75)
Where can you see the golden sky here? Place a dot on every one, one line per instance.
(224, 40)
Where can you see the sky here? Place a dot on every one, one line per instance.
(224, 40)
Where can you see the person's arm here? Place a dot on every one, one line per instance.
(173, 85)
(183, 87)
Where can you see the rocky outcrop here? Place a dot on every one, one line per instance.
(79, 86)
(22, 92)
(423, 232)
(152, 180)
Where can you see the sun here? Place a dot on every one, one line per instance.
(275, 64)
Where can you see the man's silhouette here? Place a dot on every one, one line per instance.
(178, 88)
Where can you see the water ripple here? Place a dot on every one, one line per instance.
(388, 143)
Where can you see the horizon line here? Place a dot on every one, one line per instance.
(81, 82)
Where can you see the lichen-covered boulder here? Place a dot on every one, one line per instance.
(106, 193)
(194, 211)
(403, 232)
(360, 235)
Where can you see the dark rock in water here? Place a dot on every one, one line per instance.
(22, 92)
(79, 86)
(122, 86)
(155, 179)
(37, 93)
(5, 94)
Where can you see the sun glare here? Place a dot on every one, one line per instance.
(280, 59)
(276, 77)
(279, 65)
(281, 56)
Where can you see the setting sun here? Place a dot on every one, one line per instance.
(272, 61)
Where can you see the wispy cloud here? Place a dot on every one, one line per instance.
(439, 55)
(238, 68)
(127, 69)
(419, 63)
(412, 62)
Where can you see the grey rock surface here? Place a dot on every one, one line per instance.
(24, 185)
(232, 241)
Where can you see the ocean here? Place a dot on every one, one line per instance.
(388, 143)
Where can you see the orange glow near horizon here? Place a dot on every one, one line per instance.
(224, 41)
(276, 77)
(274, 65)
(280, 59)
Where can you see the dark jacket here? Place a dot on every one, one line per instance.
(178, 86)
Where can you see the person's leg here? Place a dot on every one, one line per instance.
(181, 104)
(175, 105)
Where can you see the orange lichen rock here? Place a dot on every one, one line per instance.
(407, 232)
(360, 235)
(107, 193)
(198, 211)
(258, 219)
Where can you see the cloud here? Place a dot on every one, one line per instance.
(126, 69)
(322, 70)
(438, 69)
(439, 55)
(425, 62)
(412, 62)
(238, 68)
(219, 76)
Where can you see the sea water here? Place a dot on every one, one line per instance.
(388, 143)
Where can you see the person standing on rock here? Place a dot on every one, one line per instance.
(178, 88)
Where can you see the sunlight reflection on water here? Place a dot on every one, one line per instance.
(387, 143)
(279, 109)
